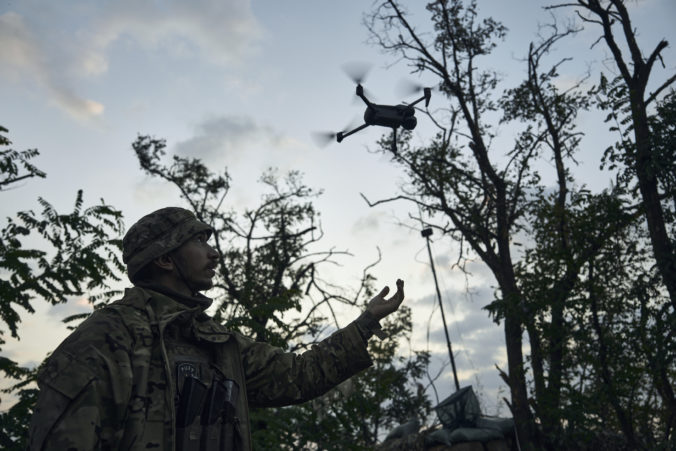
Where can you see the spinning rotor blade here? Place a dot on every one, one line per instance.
(323, 139)
(406, 88)
(357, 71)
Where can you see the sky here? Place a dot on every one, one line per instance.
(243, 85)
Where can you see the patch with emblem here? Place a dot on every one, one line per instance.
(183, 370)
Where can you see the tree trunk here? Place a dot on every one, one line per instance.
(647, 182)
(523, 418)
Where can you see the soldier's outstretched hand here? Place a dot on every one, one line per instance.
(381, 307)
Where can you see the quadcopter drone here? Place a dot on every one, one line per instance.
(393, 116)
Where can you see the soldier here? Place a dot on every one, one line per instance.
(152, 370)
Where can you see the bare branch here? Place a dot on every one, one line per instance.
(665, 85)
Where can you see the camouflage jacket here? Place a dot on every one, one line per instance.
(110, 384)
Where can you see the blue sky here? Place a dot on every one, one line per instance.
(243, 84)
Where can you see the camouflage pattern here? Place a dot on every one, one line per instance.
(111, 385)
(156, 234)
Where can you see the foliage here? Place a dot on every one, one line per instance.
(50, 256)
(15, 165)
(84, 256)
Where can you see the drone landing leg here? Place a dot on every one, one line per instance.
(394, 141)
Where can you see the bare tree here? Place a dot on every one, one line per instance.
(481, 202)
(485, 197)
(635, 71)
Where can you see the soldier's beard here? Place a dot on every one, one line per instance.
(193, 283)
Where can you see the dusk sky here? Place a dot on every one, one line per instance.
(243, 85)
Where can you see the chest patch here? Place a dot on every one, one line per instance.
(186, 369)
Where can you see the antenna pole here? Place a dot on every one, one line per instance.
(426, 234)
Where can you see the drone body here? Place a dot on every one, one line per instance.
(393, 116)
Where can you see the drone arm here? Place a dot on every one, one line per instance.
(360, 94)
(426, 97)
(340, 135)
(417, 101)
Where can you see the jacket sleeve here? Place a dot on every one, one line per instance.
(277, 378)
(85, 388)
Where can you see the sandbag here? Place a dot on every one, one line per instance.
(504, 425)
(439, 437)
(474, 435)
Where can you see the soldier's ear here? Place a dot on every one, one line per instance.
(165, 262)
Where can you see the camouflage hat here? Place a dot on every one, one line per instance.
(156, 234)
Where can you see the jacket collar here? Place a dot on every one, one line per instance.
(196, 300)
(164, 306)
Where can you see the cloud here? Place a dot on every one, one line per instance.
(238, 144)
(476, 339)
(227, 138)
(478, 295)
(23, 56)
(18, 51)
(57, 48)
(77, 106)
(219, 31)
(370, 222)
(469, 326)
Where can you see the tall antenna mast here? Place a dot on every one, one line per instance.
(426, 233)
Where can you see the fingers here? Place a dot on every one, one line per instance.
(398, 297)
(381, 307)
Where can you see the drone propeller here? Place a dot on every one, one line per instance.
(406, 88)
(323, 139)
(357, 71)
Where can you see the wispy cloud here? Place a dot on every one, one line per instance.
(227, 139)
(56, 48)
(19, 49)
(24, 58)
(371, 222)
(218, 31)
